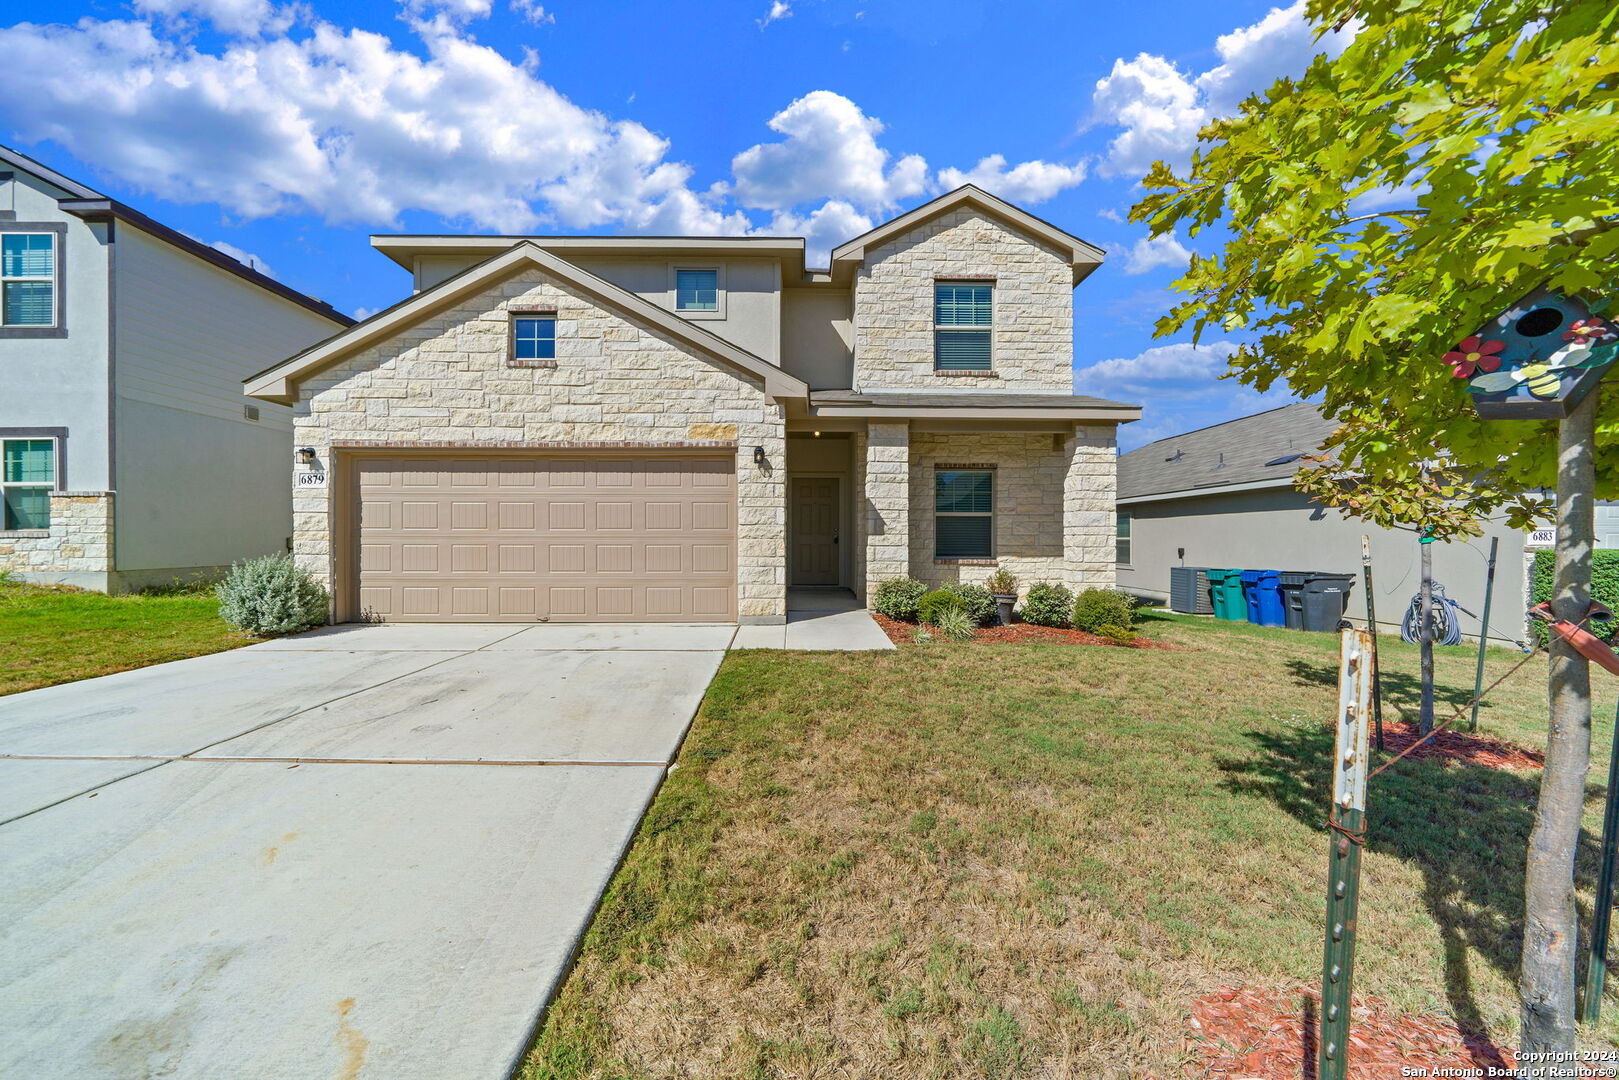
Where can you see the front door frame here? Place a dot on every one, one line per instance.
(840, 531)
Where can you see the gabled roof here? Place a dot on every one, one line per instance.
(91, 205)
(1263, 450)
(279, 383)
(1084, 257)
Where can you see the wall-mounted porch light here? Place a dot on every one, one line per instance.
(306, 455)
(759, 456)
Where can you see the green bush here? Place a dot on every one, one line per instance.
(955, 624)
(936, 603)
(1048, 604)
(271, 595)
(897, 598)
(975, 599)
(1002, 583)
(1604, 587)
(1097, 609)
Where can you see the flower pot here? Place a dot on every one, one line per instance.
(1004, 603)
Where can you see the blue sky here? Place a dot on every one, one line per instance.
(289, 132)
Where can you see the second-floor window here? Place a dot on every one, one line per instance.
(27, 478)
(697, 290)
(28, 279)
(962, 317)
(534, 338)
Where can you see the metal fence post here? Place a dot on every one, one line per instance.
(1483, 633)
(1346, 826)
(1596, 965)
(1371, 624)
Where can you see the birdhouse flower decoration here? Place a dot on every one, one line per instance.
(1472, 355)
(1538, 358)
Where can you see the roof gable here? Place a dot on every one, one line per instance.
(1082, 256)
(280, 383)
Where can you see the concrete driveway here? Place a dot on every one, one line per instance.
(367, 851)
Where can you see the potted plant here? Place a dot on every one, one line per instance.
(1002, 584)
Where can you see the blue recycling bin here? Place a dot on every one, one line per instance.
(1262, 589)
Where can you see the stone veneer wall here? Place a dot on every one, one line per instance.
(1033, 339)
(79, 540)
(445, 381)
(1054, 513)
(885, 479)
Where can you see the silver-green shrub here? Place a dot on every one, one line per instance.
(271, 595)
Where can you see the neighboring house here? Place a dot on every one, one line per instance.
(128, 456)
(1223, 496)
(680, 428)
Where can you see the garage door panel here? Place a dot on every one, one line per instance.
(562, 538)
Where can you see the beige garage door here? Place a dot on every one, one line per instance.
(569, 539)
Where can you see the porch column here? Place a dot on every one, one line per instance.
(1088, 510)
(887, 503)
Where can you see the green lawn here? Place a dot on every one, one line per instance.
(1025, 860)
(55, 635)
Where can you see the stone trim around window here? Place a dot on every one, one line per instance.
(939, 560)
(14, 333)
(968, 374)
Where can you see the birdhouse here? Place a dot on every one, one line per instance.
(1536, 359)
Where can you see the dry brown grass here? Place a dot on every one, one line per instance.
(1026, 862)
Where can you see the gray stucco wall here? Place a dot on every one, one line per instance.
(817, 336)
(1282, 530)
(62, 381)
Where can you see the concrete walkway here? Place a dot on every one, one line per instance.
(818, 618)
(366, 852)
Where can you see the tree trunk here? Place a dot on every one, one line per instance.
(1425, 635)
(1550, 933)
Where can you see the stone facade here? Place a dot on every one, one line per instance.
(445, 380)
(77, 548)
(886, 480)
(1033, 343)
(1054, 516)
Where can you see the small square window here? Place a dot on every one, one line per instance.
(534, 339)
(697, 290)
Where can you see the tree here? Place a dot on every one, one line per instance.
(1379, 208)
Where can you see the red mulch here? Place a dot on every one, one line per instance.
(1452, 745)
(900, 634)
(1240, 1033)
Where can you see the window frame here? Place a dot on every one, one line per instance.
(57, 438)
(1123, 538)
(58, 326)
(518, 315)
(718, 311)
(987, 328)
(994, 531)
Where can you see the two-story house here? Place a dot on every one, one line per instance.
(128, 456)
(680, 429)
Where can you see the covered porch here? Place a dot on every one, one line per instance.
(949, 487)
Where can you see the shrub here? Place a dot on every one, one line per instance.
(955, 624)
(1048, 604)
(1604, 587)
(936, 603)
(271, 595)
(975, 599)
(922, 635)
(1002, 583)
(1097, 609)
(897, 598)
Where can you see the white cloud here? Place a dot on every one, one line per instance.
(1181, 370)
(824, 229)
(1161, 108)
(1030, 182)
(241, 17)
(1152, 253)
(448, 12)
(779, 9)
(339, 123)
(830, 152)
(533, 12)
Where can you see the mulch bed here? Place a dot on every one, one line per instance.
(900, 634)
(1450, 745)
(1240, 1033)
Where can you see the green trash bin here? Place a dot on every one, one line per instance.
(1225, 590)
